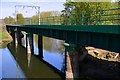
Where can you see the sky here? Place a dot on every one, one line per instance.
(7, 7)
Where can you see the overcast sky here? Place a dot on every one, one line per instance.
(8, 7)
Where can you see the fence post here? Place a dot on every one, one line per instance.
(53, 19)
(60, 20)
(47, 21)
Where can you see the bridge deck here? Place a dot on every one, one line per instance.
(100, 36)
(114, 29)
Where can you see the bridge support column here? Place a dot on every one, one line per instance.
(40, 46)
(8, 30)
(19, 37)
(75, 55)
(68, 66)
(12, 33)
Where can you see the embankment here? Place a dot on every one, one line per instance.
(5, 38)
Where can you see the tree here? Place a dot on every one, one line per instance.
(20, 19)
(86, 13)
(9, 20)
(45, 17)
(34, 19)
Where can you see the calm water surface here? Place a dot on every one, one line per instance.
(53, 50)
(10, 68)
(0, 64)
(16, 63)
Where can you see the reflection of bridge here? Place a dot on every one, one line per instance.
(100, 36)
(34, 68)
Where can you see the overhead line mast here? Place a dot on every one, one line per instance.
(36, 7)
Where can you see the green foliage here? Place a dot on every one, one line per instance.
(20, 19)
(9, 20)
(45, 17)
(87, 13)
(3, 35)
(34, 19)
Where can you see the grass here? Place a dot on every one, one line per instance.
(3, 35)
(4, 39)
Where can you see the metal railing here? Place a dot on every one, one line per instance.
(99, 17)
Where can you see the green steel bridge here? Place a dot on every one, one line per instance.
(104, 33)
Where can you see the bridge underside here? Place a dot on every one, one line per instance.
(104, 36)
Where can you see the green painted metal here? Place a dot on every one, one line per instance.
(99, 35)
(70, 47)
(61, 20)
(53, 20)
(102, 36)
(103, 18)
(112, 29)
(66, 44)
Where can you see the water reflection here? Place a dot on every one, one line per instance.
(53, 51)
(0, 64)
(17, 63)
(51, 45)
(31, 66)
(55, 59)
(28, 53)
(24, 41)
(10, 68)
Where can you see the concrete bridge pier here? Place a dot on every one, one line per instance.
(72, 62)
(40, 46)
(19, 37)
(8, 30)
(74, 55)
(12, 33)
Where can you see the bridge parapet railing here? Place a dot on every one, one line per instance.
(99, 17)
(52, 20)
(110, 16)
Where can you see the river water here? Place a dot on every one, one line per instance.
(16, 63)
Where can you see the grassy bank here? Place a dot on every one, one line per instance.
(5, 38)
(3, 35)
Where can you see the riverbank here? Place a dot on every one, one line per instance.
(5, 38)
(100, 65)
(95, 64)
(103, 54)
(96, 69)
